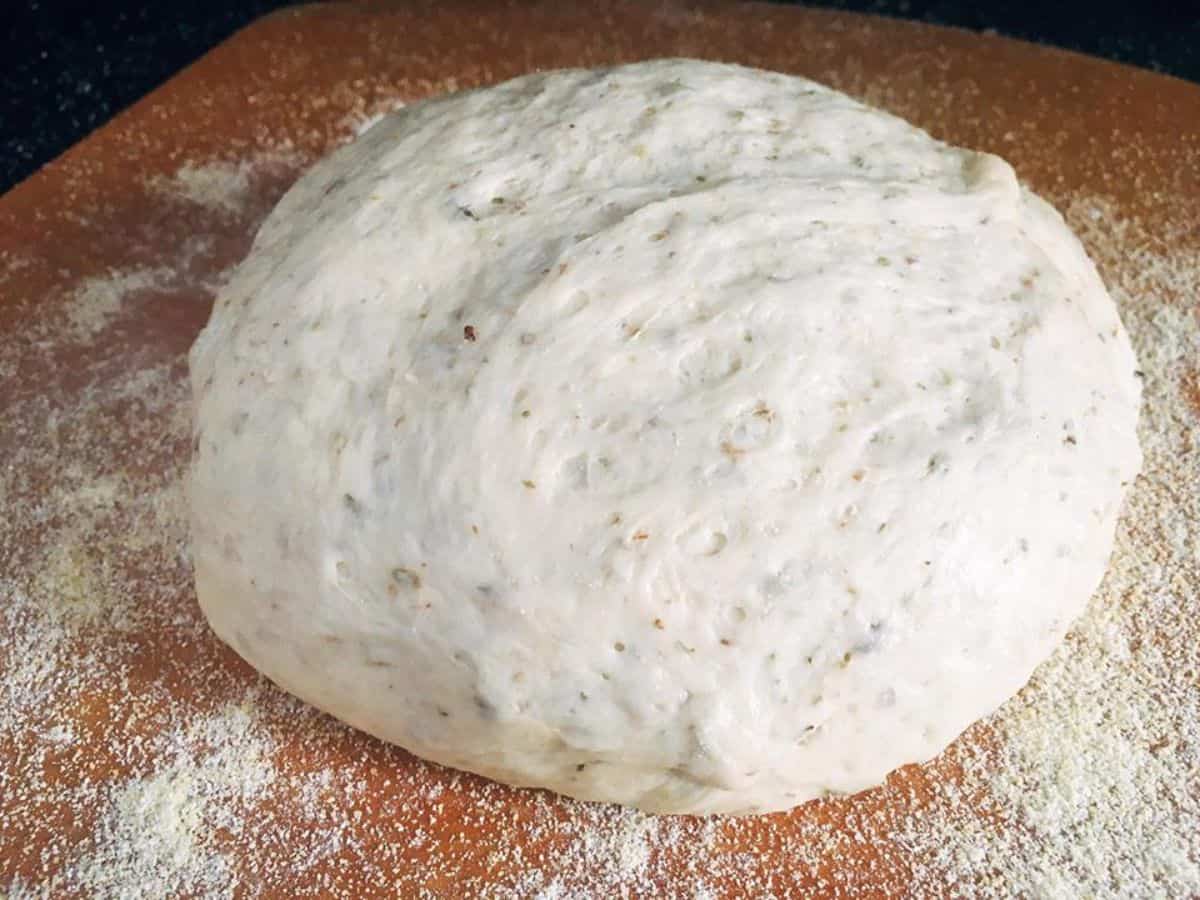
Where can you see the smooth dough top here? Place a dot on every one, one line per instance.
(677, 434)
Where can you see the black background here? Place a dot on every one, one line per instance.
(67, 67)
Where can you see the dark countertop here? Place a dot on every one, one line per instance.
(67, 66)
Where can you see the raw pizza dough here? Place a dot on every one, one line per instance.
(678, 434)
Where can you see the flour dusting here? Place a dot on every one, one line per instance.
(163, 824)
(220, 186)
(98, 300)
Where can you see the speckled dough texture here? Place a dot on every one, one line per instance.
(679, 434)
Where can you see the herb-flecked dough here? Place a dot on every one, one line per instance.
(679, 434)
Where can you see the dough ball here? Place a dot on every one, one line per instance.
(678, 434)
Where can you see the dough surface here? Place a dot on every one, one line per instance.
(680, 435)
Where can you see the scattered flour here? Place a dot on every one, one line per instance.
(219, 186)
(98, 300)
(162, 825)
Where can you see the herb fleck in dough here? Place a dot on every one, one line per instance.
(680, 435)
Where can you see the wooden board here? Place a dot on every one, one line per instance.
(138, 756)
